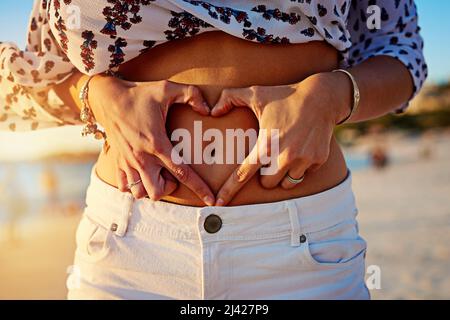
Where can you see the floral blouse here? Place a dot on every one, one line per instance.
(93, 36)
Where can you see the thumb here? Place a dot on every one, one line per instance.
(230, 98)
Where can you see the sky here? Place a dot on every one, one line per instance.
(433, 19)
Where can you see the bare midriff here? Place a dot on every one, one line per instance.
(214, 61)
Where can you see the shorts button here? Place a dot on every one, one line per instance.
(212, 223)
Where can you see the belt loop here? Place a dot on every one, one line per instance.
(296, 231)
(120, 227)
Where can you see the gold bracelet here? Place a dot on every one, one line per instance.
(356, 95)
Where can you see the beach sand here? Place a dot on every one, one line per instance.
(35, 266)
(404, 214)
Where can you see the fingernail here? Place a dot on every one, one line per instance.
(220, 202)
(208, 200)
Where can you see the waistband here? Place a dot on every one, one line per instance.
(121, 213)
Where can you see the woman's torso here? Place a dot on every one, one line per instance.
(214, 61)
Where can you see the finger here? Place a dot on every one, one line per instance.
(314, 168)
(278, 164)
(146, 170)
(297, 172)
(186, 175)
(191, 95)
(137, 190)
(152, 180)
(243, 173)
(273, 180)
(161, 184)
(155, 184)
(122, 180)
(149, 167)
(171, 183)
(230, 98)
(121, 176)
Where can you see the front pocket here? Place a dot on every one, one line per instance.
(338, 246)
(351, 252)
(92, 239)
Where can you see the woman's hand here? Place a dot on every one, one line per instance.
(305, 115)
(134, 117)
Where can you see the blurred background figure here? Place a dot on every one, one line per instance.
(378, 153)
(49, 185)
(378, 157)
(15, 205)
(426, 149)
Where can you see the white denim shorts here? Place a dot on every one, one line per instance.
(305, 248)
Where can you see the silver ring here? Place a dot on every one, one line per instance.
(132, 184)
(295, 181)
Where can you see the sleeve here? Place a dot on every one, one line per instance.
(27, 100)
(397, 35)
